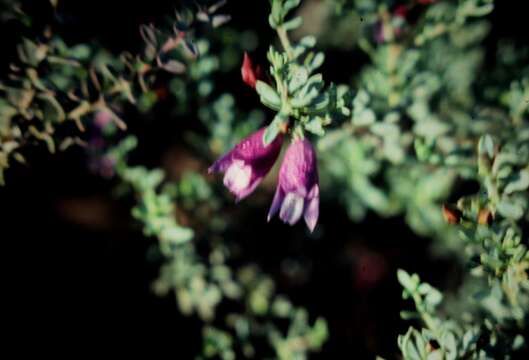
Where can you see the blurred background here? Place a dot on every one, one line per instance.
(77, 269)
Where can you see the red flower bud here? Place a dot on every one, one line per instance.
(401, 11)
(250, 73)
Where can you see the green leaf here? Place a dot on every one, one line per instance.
(174, 67)
(315, 126)
(274, 128)
(409, 315)
(431, 128)
(502, 160)
(308, 41)
(299, 78)
(302, 101)
(519, 182)
(51, 109)
(510, 209)
(412, 345)
(7, 112)
(386, 130)
(407, 281)
(148, 33)
(31, 53)
(21, 98)
(320, 103)
(309, 91)
(365, 117)
(433, 297)
(269, 96)
(486, 146)
(276, 17)
(290, 4)
(319, 333)
(449, 344)
(176, 235)
(317, 61)
(80, 52)
(147, 101)
(293, 24)
(272, 21)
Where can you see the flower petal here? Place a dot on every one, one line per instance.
(221, 164)
(237, 177)
(276, 203)
(292, 208)
(298, 171)
(312, 208)
(247, 163)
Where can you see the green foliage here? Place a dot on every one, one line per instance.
(299, 94)
(425, 75)
(397, 136)
(53, 83)
(202, 281)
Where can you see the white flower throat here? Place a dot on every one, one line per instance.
(238, 175)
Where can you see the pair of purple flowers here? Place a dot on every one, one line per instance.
(297, 191)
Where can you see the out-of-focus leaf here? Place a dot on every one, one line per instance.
(519, 182)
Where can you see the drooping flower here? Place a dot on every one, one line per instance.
(298, 192)
(250, 73)
(247, 163)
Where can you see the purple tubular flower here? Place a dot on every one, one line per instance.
(298, 192)
(247, 163)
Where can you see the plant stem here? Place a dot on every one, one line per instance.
(285, 42)
(427, 319)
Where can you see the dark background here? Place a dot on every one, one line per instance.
(75, 270)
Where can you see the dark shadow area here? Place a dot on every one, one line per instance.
(75, 264)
